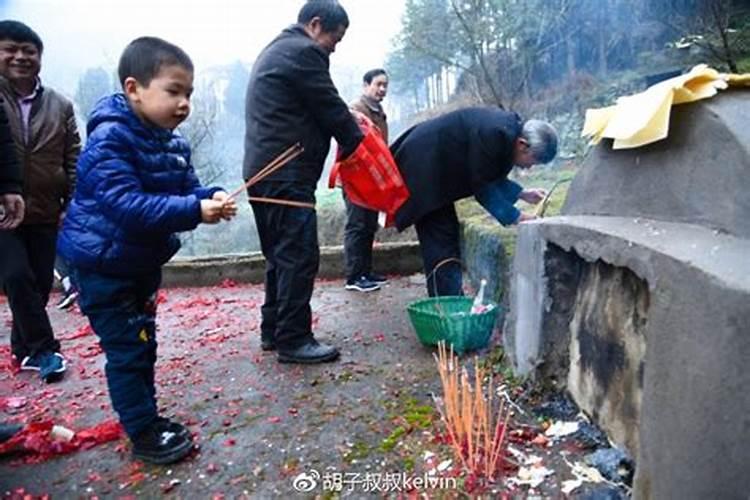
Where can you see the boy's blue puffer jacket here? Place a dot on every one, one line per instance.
(135, 189)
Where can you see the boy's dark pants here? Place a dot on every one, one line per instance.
(27, 256)
(359, 233)
(122, 312)
(439, 239)
(289, 241)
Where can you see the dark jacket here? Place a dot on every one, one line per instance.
(291, 98)
(452, 157)
(136, 188)
(374, 111)
(48, 158)
(11, 178)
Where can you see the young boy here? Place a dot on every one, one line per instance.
(136, 189)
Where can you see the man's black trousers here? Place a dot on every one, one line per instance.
(289, 241)
(27, 259)
(439, 240)
(359, 233)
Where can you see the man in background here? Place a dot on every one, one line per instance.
(47, 143)
(362, 223)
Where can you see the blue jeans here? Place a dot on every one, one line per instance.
(122, 312)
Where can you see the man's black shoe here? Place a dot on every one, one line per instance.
(157, 445)
(165, 424)
(267, 343)
(309, 353)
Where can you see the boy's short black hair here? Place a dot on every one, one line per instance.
(145, 56)
(331, 14)
(19, 32)
(370, 75)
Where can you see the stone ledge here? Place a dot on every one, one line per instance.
(389, 258)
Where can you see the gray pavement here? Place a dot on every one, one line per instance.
(258, 423)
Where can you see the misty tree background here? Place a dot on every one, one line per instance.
(548, 59)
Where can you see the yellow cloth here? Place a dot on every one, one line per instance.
(643, 118)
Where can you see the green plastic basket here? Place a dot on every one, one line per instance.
(448, 318)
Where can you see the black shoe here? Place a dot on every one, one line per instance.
(377, 278)
(157, 445)
(362, 284)
(310, 353)
(165, 424)
(7, 431)
(267, 343)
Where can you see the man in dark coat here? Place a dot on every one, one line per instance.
(11, 210)
(11, 177)
(468, 152)
(290, 99)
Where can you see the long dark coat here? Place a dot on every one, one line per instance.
(452, 157)
(11, 177)
(291, 98)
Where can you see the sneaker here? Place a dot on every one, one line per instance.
(158, 445)
(50, 365)
(376, 278)
(165, 424)
(362, 284)
(68, 299)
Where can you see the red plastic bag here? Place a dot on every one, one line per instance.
(369, 176)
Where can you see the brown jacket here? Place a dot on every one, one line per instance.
(49, 157)
(374, 111)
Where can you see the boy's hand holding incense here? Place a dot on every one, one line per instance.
(211, 211)
(229, 206)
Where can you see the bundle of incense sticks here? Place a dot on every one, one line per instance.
(291, 153)
(476, 431)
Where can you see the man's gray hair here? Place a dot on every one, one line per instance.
(542, 139)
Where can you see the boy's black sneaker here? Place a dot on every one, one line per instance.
(362, 284)
(158, 445)
(166, 424)
(377, 278)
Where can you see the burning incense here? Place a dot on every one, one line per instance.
(476, 431)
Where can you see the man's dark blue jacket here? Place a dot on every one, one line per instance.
(291, 98)
(135, 189)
